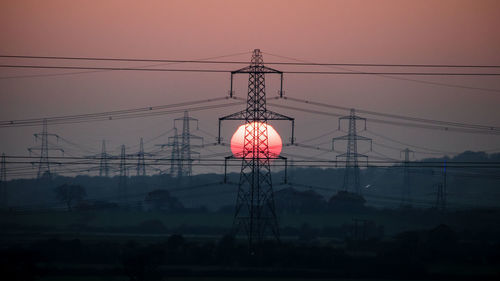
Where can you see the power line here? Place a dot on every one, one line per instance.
(395, 116)
(415, 151)
(229, 71)
(119, 114)
(403, 78)
(412, 145)
(85, 72)
(163, 161)
(246, 62)
(395, 123)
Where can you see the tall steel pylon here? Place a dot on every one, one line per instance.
(351, 173)
(122, 180)
(44, 148)
(182, 147)
(103, 164)
(255, 210)
(3, 183)
(406, 190)
(141, 163)
(175, 155)
(185, 149)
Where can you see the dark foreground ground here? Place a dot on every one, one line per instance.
(136, 245)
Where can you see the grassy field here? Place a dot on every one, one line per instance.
(62, 220)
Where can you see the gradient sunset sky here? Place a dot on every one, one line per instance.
(398, 31)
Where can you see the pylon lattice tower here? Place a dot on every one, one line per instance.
(182, 147)
(185, 149)
(3, 182)
(122, 179)
(44, 163)
(255, 210)
(406, 190)
(351, 173)
(141, 163)
(175, 155)
(103, 164)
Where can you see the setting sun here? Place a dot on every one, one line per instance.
(237, 141)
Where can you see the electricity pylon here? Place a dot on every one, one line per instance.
(141, 163)
(103, 164)
(182, 147)
(3, 182)
(44, 163)
(351, 173)
(122, 180)
(175, 155)
(185, 148)
(255, 210)
(406, 190)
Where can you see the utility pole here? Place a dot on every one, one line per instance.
(44, 163)
(351, 173)
(441, 192)
(122, 180)
(3, 183)
(406, 190)
(255, 210)
(103, 165)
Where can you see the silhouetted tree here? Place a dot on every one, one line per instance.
(162, 200)
(70, 194)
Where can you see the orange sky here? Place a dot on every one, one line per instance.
(440, 32)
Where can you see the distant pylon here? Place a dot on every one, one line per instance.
(122, 180)
(175, 161)
(3, 183)
(351, 173)
(255, 210)
(44, 163)
(185, 149)
(141, 164)
(441, 192)
(406, 199)
(103, 165)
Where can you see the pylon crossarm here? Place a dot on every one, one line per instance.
(358, 137)
(256, 70)
(197, 146)
(271, 115)
(346, 137)
(195, 137)
(50, 162)
(240, 115)
(361, 138)
(355, 117)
